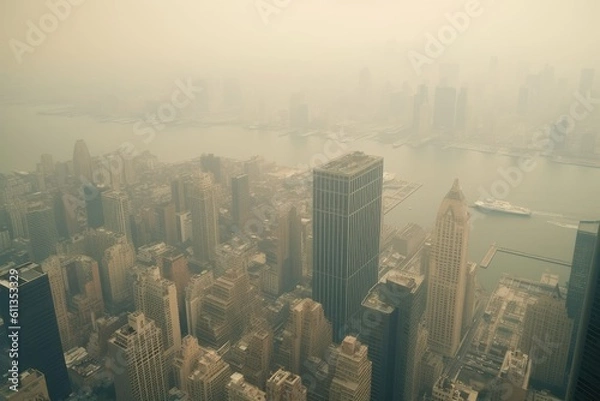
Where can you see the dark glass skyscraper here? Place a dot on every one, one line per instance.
(39, 339)
(43, 235)
(394, 310)
(584, 379)
(347, 207)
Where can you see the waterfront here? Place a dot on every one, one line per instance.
(559, 195)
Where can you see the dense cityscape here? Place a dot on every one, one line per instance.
(202, 204)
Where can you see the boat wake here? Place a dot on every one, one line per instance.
(547, 214)
(563, 224)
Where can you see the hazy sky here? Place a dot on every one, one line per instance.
(106, 38)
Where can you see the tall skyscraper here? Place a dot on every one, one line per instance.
(584, 378)
(205, 215)
(546, 338)
(398, 302)
(116, 263)
(209, 377)
(240, 204)
(93, 205)
(166, 223)
(285, 386)
(117, 212)
(195, 293)
(82, 162)
(157, 298)
(444, 108)
(178, 196)
(347, 210)
(583, 256)
(84, 289)
(53, 268)
(352, 379)
(39, 338)
(43, 235)
(307, 334)
(137, 347)
(448, 273)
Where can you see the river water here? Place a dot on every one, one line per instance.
(560, 195)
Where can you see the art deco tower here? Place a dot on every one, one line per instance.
(347, 202)
(448, 273)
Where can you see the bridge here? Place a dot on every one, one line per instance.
(494, 249)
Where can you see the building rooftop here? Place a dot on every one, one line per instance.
(26, 272)
(590, 227)
(350, 163)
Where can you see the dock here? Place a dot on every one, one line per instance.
(397, 192)
(487, 259)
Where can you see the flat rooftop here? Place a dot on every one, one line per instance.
(27, 273)
(350, 163)
(590, 227)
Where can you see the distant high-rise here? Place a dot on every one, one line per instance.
(398, 303)
(352, 379)
(138, 351)
(178, 196)
(117, 212)
(240, 205)
(205, 215)
(43, 235)
(285, 386)
(461, 109)
(85, 290)
(195, 293)
(444, 108)
(157, 299)
(116, 262)
(82, 162)
(347, 210)
(93, 205)
(166, 223)
(448, 274)
(211, 164)
(584, 378)
(39, 337)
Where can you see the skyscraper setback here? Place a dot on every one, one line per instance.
(448, 273)
(347, 210)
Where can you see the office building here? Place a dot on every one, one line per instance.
(240, 200)
(307, 333)
(41, 226)
(209, 377)
(178, 195)
(138, 350)
(285, 386)
(32, 387)
(117, 213)
(546, 339)
(39, 338)
(166, 223)
(116, 263)
(347, 213)
(195, 293)
(205, 215)
(157, 299)
(258, 351)
(352, 379)
(239, 390)
(513, 379)
(53, 268)
(584, 377)
(397, 307)
(84, 288)
(448, 273)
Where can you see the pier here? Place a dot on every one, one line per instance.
(487, 259)
(397, 192)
